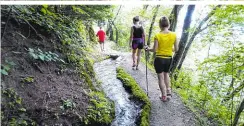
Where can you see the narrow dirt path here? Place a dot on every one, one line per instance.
(172, 113)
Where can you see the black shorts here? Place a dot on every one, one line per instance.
(162, 64)
(137, 44)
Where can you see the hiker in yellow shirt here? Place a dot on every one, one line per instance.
(163, 46)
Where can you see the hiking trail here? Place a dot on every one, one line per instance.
(172, 113)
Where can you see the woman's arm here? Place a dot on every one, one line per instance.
(155, 46)
(131, 36)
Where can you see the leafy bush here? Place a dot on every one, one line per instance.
(13, 112)
(5, 68)
(68, 104)
(44, 56)
(198, 98)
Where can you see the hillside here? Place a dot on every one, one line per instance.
(47, 77)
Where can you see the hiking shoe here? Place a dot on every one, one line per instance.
(137, 67)
(133, 64)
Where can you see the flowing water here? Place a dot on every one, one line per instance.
(126, 111)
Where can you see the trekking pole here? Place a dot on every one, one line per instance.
(146, 52)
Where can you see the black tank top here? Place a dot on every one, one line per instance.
(137, 32)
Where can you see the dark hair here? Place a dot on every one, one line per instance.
(163, 22)
(136, 19)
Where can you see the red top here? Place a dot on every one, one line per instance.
(101, 34)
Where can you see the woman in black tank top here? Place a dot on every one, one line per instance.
(138, 31)
(137, 41)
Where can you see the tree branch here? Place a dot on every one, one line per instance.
(238, 113)
(117, 13)
(234, 92)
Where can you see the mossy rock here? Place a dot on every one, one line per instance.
(130, 84)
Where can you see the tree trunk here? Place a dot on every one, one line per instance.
(145, 7)
(117, 33)
(196, 32)
(110, 31)
(91, 33)
(152, 23)
(238, 113)
(113, 24)
(184, 37)
(173, 17)
(186, 50)
(111, 34)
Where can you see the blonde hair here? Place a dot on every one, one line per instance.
(163, 22)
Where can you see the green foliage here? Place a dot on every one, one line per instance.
(197, 96)
(27, 80)
(232, 14)
(44, 56)
(67, 104)
(226, 72)
(85, 66)
(101, 111)
(63, 26)
(137, 93)
(220, 75)
(97, 12)
(6, 67)
(16, 115)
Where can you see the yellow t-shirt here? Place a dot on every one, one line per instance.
(165, 44)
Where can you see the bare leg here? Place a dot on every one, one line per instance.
(101, 46)
(161, 84)
(167, 82)
(134, 56)
(138, 57)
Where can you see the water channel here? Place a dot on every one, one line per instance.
(126, 111)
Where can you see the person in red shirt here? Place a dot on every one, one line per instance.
(101, 36)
